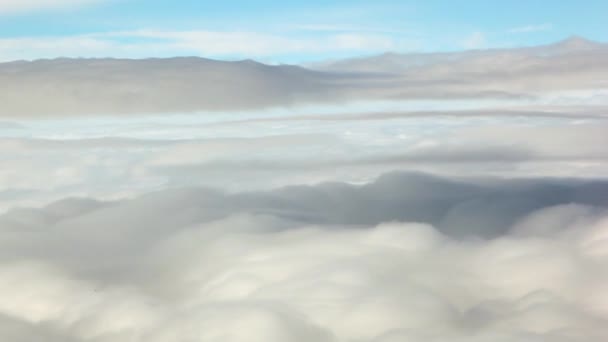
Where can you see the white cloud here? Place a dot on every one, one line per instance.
(152, 43)
(192, 84)
(531, 28)
(16, 6)
(349, 28)
(114, 157)
(475, 40)
(261, 44)
(136, 250)
(313, 263)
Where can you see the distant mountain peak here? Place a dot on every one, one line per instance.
(576, 42)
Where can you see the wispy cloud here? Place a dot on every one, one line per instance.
(475, 40)
(260, 44)
(350, 28)
(17, 6)
(531, 28)
(224, 44)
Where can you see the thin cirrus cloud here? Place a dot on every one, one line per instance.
(233, 44)
(531, 28)
(260, 44)
(20, 6)
(475, 40)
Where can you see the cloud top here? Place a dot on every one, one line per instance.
(326, 263)
(113, 86)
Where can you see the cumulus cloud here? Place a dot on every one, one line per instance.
(410, 256)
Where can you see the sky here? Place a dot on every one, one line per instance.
(286, 31)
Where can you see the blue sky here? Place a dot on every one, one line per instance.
(287, 31)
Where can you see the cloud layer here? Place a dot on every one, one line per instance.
(114, 86)
(325, 263)
(163, 200)
(111, 158)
